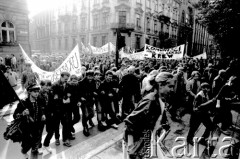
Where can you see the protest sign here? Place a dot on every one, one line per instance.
(134, 56)
(71, 64)
(201, 56)
(157, 53)
(104, 49)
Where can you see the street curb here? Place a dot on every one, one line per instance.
(102, 147)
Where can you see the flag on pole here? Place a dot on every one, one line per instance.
(7, 93)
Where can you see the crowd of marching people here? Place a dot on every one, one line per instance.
(202, 88)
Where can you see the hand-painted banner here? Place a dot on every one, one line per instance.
(71, 64)
(201, 56)
(157, 53)
(104, 49)
(134, 56)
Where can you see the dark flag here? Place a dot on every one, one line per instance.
(119, 44)
(7, 94)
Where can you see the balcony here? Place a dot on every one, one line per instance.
(163, 35)
(9, 43)
(164, 18)
(123, 26)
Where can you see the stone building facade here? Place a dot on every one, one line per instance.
(160, 23)
(14, 23)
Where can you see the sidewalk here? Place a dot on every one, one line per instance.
(114, 151)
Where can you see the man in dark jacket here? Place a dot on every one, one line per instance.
(61, 96)
(129, 89)
(148, 116)
(107, 95)
(87, 87)
(31, 110)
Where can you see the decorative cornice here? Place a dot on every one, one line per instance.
(123, 7)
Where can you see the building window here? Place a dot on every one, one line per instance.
(59, 44)
(83, 23)
(95, 41)
(8, 32)
(148, 3)
(95, 21)
(183, 16)
(83, 40)
(155, 42)
(105, 19)
(161, 27)
(167, 28)
(122, 19)
(66, 43)
(148, 24)
(74, 42)
(147, 41)
(156, 5)
(74, 26)
(138, 42)
(138, 21)
(155, 26)
(104, 40)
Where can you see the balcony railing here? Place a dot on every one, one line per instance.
(3, 43)
(164, 18)
(126, 26)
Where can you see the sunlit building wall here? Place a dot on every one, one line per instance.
(14, 28)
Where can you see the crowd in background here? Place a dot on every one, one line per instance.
(113, 93)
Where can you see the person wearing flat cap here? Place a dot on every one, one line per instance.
(201, 106)
(32, 111)
(147, 118)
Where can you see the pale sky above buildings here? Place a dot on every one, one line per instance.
(36, 6)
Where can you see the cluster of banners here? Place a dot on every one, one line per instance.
(71, 64)
(107, 48)
(155, 53)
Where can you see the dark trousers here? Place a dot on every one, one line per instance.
(195, 121)
(127, 105)
(100, 110)
(76, 117)
(50, 130)
(87, 112)
(224, 116)
(65, 118)
(31, 138)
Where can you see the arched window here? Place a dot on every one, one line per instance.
(8, 32)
